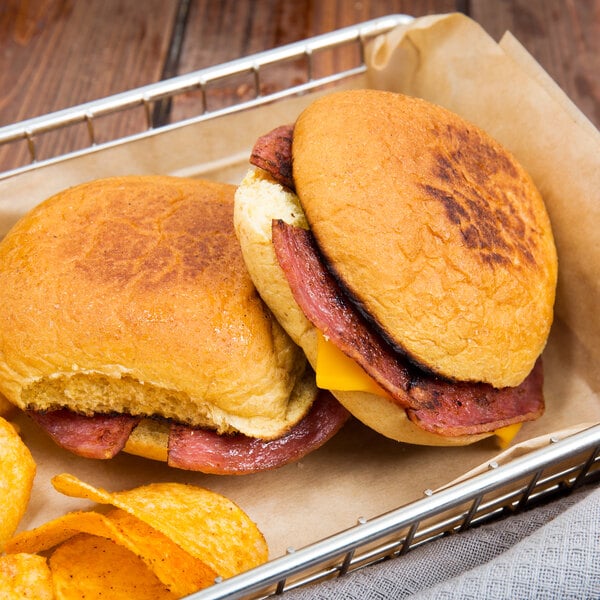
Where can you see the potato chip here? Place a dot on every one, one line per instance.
(17, 470)
(58, 530)
(175, 568)
(183, 535)
(25, 576)
(205, 524)
(88, 566)
(6, 408)
(182, 573)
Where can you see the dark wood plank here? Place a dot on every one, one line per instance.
(58, 53)
(562, 35)
(218, 32)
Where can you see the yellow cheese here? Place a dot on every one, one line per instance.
(336, 371)
(505, 435)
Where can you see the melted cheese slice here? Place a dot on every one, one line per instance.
(336, 371)
(505, 435)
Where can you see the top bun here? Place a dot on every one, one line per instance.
(130, 294)
(434, 230)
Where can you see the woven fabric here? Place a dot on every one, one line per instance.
(552, 551)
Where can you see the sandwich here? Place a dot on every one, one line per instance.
(128, 321)
(411, 257)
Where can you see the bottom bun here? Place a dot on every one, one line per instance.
(259, 200)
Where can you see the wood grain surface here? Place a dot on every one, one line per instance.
(59, 53)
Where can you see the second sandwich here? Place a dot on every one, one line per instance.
(411, 257)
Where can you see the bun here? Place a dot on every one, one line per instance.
(433, 228)
(130, 295)
(259, 200)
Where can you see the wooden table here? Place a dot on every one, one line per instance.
(58, 53)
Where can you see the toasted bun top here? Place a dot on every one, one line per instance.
(435, 230)
(130, 294)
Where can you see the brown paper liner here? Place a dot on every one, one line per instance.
(450, 60)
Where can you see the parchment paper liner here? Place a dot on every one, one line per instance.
(449, 60)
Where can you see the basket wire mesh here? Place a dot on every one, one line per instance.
(524, 482)
(256, 67)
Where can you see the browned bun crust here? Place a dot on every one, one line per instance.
(130, 295)
(434, 229)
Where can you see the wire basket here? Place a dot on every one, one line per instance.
(522, 483)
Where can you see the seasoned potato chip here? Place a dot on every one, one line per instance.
(181, 535)
(25, 576)
(6, 408)
(205, 524)
(58, 530)
(17, 470)
(175, 568)
(178, 570)
(88, 566)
